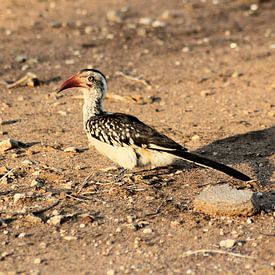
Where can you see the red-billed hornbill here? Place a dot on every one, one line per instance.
(124, 138)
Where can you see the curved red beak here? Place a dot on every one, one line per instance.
(74, 81)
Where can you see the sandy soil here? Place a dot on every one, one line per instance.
(210, 70)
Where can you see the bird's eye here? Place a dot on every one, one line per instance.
(91, 78)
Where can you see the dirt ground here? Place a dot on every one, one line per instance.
(202, 72)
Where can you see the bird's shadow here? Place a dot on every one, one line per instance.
(254, 147)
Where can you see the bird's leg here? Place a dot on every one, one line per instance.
(84, 183)
(121, 174)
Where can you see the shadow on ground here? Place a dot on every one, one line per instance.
(254, 147)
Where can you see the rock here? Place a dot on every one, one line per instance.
(70, 149)
(114, 16)
(22, 235)
(195, 138)
(271, 113)
(185, 50)
(70, 238)
(206, 93)
(32, 219)
(55, 220)
(37, 261)
(166, 15)
(227, 243)
(27, 162)
(18, 196)
(37, 182)
(111, 272)
(56, 24)
(272, 86)
(145, 21)
(8, 144)
(88, 29)
(69, 61)
(62, 113)
(21, 58)
(225, 200)
(158, 24)
(141, 32)
(147, 230)
(175, 223)
(3, 170)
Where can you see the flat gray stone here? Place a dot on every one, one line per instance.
(225, 200)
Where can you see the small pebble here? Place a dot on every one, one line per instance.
(8, 144)
(56, 24)
(3, 170)
(147, 230)
(233, 45)
(145, 21)
(174, 223)
(37, 183)
(70, 149)
(55, 220)
(43, 245)
(114, 16)
(22, 235)
(55, 212)
(37, 261)
(195, 138)
(27, 162)
(69, 61)
(206, 93)
(21, 58)
(88, 29)
(227, 243)
(32, 219)
(20, 98)
(185, 50)
(70, 238)
(18, 196)
(158, 24)
(62, 113)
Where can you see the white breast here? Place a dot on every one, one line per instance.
(123, 156)
(155, 158)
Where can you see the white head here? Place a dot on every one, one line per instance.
(91, 80)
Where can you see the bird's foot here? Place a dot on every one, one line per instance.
(121, 175)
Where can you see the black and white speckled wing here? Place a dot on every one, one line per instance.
(119, 129)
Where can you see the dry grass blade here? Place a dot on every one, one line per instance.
(4, 176)
(30, 79)
(133, 78)
(215, 251)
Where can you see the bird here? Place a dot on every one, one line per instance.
(126, 140)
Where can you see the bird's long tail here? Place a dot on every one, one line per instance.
(203, 161)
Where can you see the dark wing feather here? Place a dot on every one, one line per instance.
(123, 129)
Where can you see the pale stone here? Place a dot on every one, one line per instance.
(225, 200)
